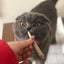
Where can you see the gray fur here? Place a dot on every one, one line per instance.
(54, 1)
(45, 14)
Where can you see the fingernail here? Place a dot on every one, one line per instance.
(33, 37)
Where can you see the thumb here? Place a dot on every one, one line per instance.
(26, 43)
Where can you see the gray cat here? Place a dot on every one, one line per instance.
(41, 22)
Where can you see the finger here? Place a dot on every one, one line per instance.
(26, 43)
(31, 47)
(25, 62)
(21, 52)
(24, 57)
(28, 54)
(26, 49)
(20, 58)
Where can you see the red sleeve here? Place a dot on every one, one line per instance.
(7, 56)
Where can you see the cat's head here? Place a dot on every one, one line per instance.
(33, 22)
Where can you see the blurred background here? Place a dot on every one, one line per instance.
(10, 9)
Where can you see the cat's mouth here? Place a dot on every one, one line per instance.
(38, 36)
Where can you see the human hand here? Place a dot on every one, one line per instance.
(22, 49)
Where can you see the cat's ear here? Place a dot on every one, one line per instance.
(18, 18)
(21, 16)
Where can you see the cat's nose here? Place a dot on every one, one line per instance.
(28, 28)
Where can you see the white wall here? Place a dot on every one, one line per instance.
(12, 8)
(1, 28)
(60, 8)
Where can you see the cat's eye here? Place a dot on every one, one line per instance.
(23, 24)
(37, 24)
